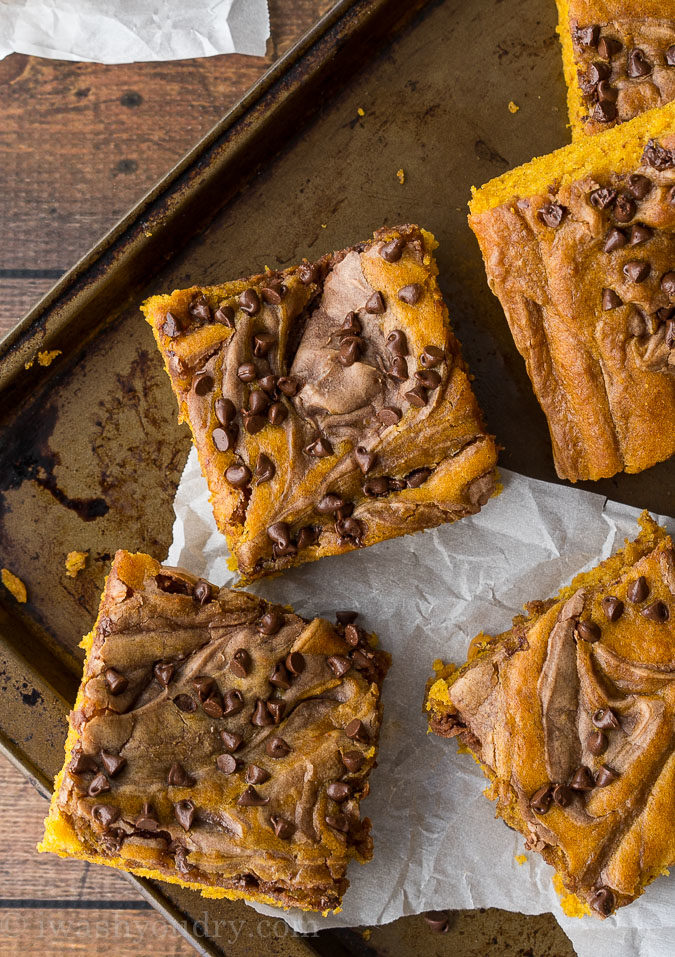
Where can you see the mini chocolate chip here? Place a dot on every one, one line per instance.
(261, 716)
(184, 812)
(639, 186)
(349, 528)
(213, 706)
(610, 300)
(277, 709)
(105, 814)
(264, 470)
(253, 423)
(288, 385)
(636, 270)
(605, 719)
(99, 785)
(224, 314)
(280, 534)
(608, 47)
(597, 742)
(258, 402)
(338, 822)
(438, 921)
(308, 535)
(353, 635)
(204, 685)
(346, 617)
(276, 747)
(602, 197)
(202, 592)
(428, 378)
(552, 214)
(338, 665)
(624, 208)
(247, 372)
(606, 93)
(638, 590)
(199, 308)
(411, 294)
(226, 763)
(273, 294)
(562, 795)
(375, 305)
(364, 459)
(172, 585)
(588, 630)
(540, 802)
(658, 157)
(604, 111)
(280, 677)
(431, 356)
(392, 251)
(256, 775)
(295, 663)
(251, 798)
(281, 827)
(178, 776)
(249, 302)
(353, 760)
(351, 326)
(605, 776)
(202, 383)
(656, 611)
(596, 72)
(602, 901)
(417, 477)
(262, 343)
(582, 779)
(172, 326)
(417, 397)
(276, 413)
(668, 284)
(185, 703)
(112, 763)
(225, 439)
(587, 36)
(397, 343)
(83, 764)
(389, 415)
(164, 672)
(238, 476)
(639, 234)
(231, 740)
(308, 273)
(612, 607)
(116, 682)
(338, 791)
(350, 350)
(240, 663)
(638, 64)
(330, 504)
(357, 731)
(268, 384)
(320, 448)
(233, 702)
(378, 485)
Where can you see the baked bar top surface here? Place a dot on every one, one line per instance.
(219, 742)
(618, 57)
(571, 714)
(582, 258)
(329, 403)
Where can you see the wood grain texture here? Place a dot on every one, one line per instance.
(80, 143)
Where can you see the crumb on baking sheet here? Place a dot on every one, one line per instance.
(14, 585)
(513, 107)
(520, 858)
(75, 562)
(43, 358)
(361, 111)
(367, 933)
(401, 176)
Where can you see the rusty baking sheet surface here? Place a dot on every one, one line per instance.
(90, 454)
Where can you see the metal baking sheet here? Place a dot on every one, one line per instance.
(90, 454)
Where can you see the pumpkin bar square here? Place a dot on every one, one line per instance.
(329, 403)
(618, 58)
(571, 714)
(219, 742)
(579, 246)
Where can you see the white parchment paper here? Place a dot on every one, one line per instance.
(125, 31)
(437, 842)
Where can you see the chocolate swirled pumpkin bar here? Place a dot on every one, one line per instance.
(579, 246)
(219, 742)
(329, 403)
(571, 715)
(618, 57)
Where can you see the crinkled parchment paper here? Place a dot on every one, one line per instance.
(437, 842)
(124, 31)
